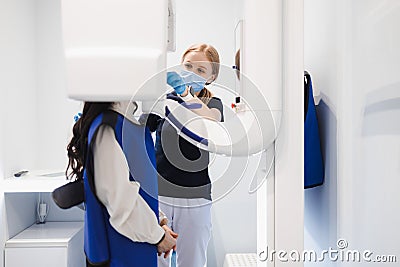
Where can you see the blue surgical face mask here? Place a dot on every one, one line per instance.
(191, 79)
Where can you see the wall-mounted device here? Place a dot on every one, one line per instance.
(112, 47)
(116, 50)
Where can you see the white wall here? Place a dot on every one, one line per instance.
(55, 110)
(18, 84)
(17, 67)
(36, 115)
(208, 21)
(352, 52)
(39, 116)
(376, 132)
(322, 60)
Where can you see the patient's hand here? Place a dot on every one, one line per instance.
(168, 243)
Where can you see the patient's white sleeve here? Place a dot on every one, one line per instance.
(129, 213)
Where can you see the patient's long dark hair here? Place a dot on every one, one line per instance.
(78, 145)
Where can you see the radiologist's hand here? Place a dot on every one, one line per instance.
(168, 243)
(176, 82)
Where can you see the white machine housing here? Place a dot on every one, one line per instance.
(112, 47)
(116, 50)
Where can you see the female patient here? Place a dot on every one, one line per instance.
(121, 224)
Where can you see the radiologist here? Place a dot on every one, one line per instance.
(183, 178)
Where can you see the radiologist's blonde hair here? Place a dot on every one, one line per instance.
(212, 55)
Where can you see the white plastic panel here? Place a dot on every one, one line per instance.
(239, 135)
(113, 46)
(262, 55)
(36, 257)
(248, 127)
(113, 73)
(50, 244)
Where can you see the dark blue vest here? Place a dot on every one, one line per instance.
(313, 164)
(104, 246)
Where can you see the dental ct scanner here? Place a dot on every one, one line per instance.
(116, 51)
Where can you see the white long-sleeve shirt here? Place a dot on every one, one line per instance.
(129, 213)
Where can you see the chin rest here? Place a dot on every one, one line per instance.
(69, 195)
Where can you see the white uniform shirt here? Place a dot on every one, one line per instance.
(129, 213)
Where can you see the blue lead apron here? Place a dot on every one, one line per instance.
(313, 163)
(104, 246)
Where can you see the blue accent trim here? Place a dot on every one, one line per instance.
(191, 105)
(183, 129)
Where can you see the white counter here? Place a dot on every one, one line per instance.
(50, 244)
(37, 181)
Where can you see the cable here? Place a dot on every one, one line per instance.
(42, 210)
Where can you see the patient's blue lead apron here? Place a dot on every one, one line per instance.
(104, 246)
(313, 164)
